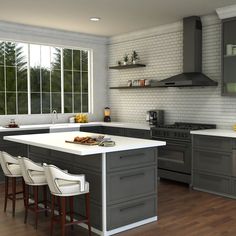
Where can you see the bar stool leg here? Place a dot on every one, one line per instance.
(88, 212)
(63, 216)
(36, 205)
(23, 190)
(52, 214)
(45, 199)
(71, 210)
(13, 196)
(26, 202)
(6, 193)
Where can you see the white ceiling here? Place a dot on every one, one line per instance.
(117, 16)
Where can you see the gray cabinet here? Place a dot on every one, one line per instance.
(113, 130)
(13, 148)
(130, 183)
(92, 129)
(214, 165)
(229, 57)
(127, 132)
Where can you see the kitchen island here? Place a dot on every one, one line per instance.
(123, 178)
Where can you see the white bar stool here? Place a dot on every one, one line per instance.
(34, 175)
(11, 169)
(63, 185)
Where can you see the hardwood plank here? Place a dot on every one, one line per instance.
(182, 212)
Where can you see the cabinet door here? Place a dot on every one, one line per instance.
(92, 129)
(113, 130)
(137, 133)
(229, 57)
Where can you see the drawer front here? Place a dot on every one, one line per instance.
(131, 184)
(137, 133)
(211, 142)
(215, 183)
(218, 163)
(131, 212)
(113, 130)
(131, 158)
(92, 129)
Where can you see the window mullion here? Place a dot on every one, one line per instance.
(62, 83)
(5, 78)
(28, 80)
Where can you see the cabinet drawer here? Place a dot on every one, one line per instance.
(92, 129)
(210, 142)
(113, 130)
(126, 159)
(131, 212)
(214, 183)
(218, 163)
(137, 133)
(131, 184)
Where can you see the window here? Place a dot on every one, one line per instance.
(36, 79)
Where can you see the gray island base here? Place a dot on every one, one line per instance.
(123, 179)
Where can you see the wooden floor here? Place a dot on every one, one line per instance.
(182, 212)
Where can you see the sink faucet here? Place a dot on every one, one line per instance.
(54, 113)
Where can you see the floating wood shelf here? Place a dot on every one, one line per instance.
(129, 66)
(134, 87)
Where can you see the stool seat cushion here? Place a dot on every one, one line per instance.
(70, 188)
(14, 169)
(38, 177)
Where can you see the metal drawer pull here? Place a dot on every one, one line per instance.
(131, 176)
(132, 206)
(132, 155)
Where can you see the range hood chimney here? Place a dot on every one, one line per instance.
(192, 58)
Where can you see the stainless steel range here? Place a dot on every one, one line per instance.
(174, 159)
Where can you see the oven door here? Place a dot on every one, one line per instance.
(175, 156)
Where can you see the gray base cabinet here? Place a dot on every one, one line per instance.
(214, 165)
(130, 179)
(13, 148)
(127, 132)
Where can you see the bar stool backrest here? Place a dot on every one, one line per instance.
(6, 159)
(52, 174)
(28, 166)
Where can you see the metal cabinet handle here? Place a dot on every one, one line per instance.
(131, 176)
(234, 163)
(132, 206)
(132, 155)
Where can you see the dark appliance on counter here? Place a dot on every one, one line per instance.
(174, 159)
(192, 58)
(155, 117)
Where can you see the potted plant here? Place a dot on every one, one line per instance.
(126, 59)
(134, 57)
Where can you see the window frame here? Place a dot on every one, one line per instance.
(71, 47)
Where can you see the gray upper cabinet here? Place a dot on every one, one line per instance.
(229, 57)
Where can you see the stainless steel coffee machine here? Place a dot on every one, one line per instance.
(155, 117)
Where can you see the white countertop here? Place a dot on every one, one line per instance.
(216, 132)
(70, 125)
(56, 141)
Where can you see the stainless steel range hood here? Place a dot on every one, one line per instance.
(192, 58)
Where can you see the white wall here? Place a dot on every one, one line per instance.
(161, 50)
(23, 33)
